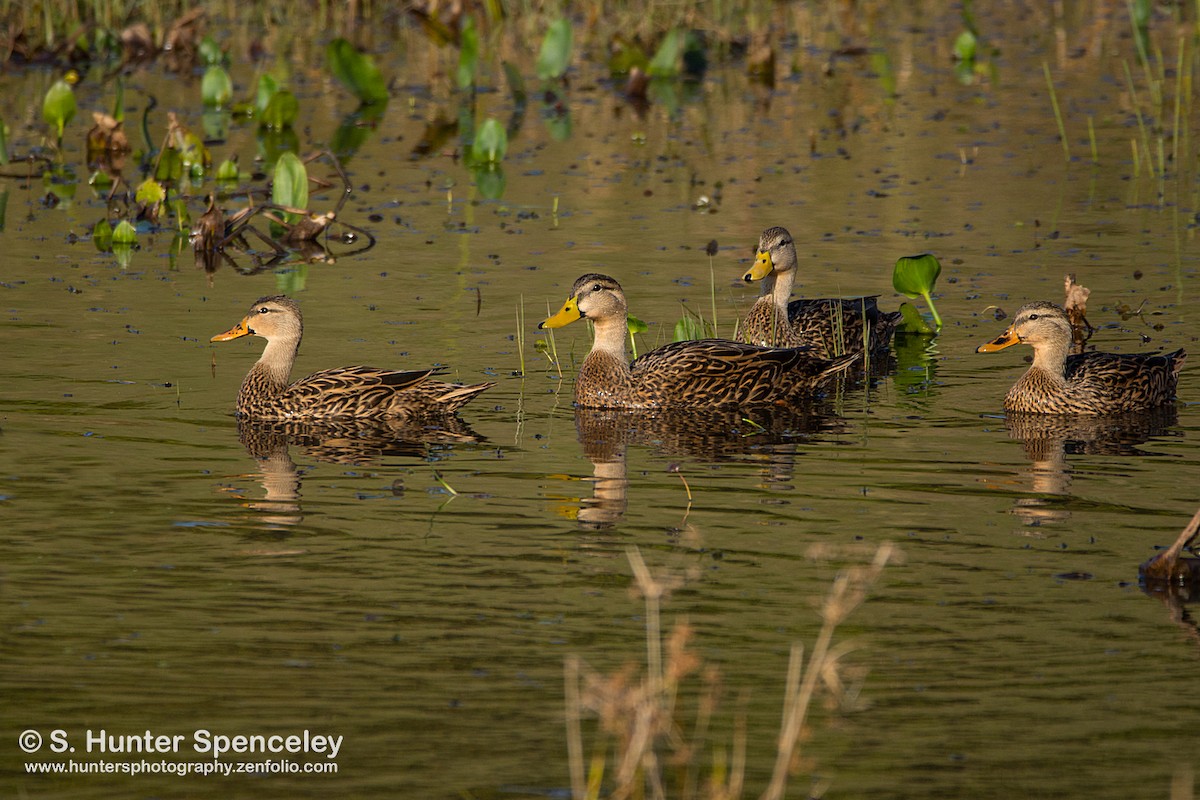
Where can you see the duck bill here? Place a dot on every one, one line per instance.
(565, 316)
(236, 332)
(761, 269)
(1006, 339)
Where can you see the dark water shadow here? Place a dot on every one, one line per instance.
(350, 442)
(768, 435)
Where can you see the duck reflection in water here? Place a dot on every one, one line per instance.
(351, 442)
(1048, 439)
(766, 435)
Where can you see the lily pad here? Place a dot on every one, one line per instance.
(58, 107)
(289, 187)
(555, 55)
(915, 276)
(491, 143)
(124, 234)
(357, 72)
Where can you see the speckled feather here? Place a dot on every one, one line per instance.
(1087, 383)
(830, 326)
(699, 373)
(1099, 383)
(343, 392)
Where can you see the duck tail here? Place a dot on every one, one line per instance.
(458, 396)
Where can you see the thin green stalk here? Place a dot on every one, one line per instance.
(1137, 109)
(1092, 140)
(1062, 130)
(712, 293)
(521, 333)
(1178, 101)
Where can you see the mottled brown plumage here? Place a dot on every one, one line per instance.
(1087, 383)
(343, 392)
(699, 373)
(830, 326)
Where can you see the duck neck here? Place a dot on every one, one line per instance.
(778, 285)
(270, 373)
(1050, 359)
(610, 337)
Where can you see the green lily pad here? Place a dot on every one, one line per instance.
(555, 55)
(58, 107)
(491, 143)
(289, 186)
(124, 234)
(357, 72)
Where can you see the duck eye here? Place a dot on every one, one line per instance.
(264, 310)
(596, 288)
(1033, 316)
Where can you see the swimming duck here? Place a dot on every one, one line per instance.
(696, 373)
(343, 392)
(1086, 383)
(831, 326)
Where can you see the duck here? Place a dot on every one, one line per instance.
(831, 326)
(1082, 383)
(356, 392)
(690, 374)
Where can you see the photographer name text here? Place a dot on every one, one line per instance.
(201, 741)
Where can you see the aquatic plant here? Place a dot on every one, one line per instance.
(289, 185)
(468, 53)
(913, 277)
(491, 143)
(357, 72)
(216, 87)
(693, 325)
(58, 106)
(555, 54)
(3, 142)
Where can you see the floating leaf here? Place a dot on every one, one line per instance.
(58, 107)
(101, 181)
(151, 192)
(468, 54)
(281, 110)
(555, 55)
(665, 63)
(356, 71)
(964, 47)
(211, 52)
(170, 165)
(216, 88)
(491, 143)
(267, 87)
(913, 322)
(635, 325)
(228, 171)
(490, 181)
(124, 234)
(102, 234)
(915, 276)
(123, 254)
(289, 186)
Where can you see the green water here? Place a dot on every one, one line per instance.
(157, 576)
